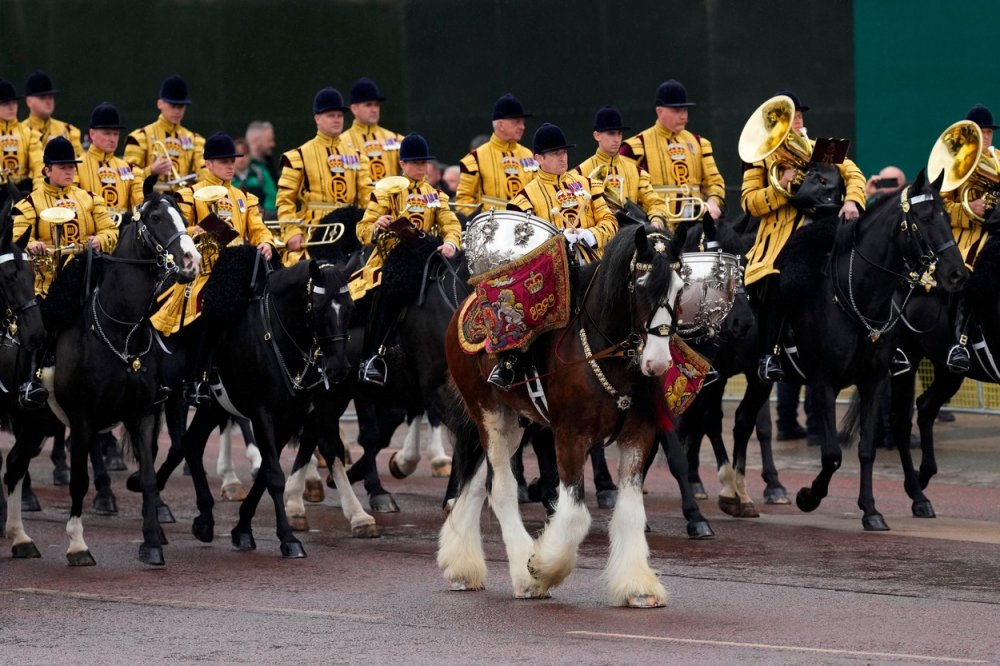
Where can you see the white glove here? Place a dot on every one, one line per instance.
(571, 235)
(587, 236)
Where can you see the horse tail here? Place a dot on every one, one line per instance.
(468, 452)
(850, 425)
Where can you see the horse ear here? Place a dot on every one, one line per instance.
(353, 264)
(641, 241)
(13, 194)
(315, 273)
(22, 242)
(936, 185)
(918, 182)
(680, 235)
(148, 185)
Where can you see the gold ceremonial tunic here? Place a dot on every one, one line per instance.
(970, 237)
(424, 206)
(493, 174)
(185, 148)
(624, 175)
(324, 170)
(677, 161)
(20, 153)
(569, 201)
(51, 128)
(181, 304)
(92, 219)
(379, 145)
(779, 218)
(118, 183)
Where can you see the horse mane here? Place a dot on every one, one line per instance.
(984, 281)
(68, 292)
(617, 265)
(403, 271)
(228, 289)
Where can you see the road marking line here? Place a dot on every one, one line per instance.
(788, 648)
(205, 605)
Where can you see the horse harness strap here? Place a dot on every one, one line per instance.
(133, 361)
(450, 299)
(11, 312)
(310, 358)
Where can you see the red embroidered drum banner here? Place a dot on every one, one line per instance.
(517, 302)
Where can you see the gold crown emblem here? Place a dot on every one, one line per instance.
(173, 146)
(676, 151)
(534, 283)
(566, 198)
(8, 143)
(224, 209)
(66, 203)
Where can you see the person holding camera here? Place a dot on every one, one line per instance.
(886, 181)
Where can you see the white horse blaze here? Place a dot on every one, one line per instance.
(187, 244)
(656, 357)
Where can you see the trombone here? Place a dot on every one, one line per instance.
(176, 180)
(328, 232)
(769, 131)
(968, 169)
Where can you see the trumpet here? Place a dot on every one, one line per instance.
(968, 169)
(176, 180)
(769, 131)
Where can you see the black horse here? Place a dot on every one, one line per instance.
(272, 351)
(107, 358)
(929, 333)
(839, 287)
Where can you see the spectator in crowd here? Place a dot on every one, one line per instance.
(449, 179)
(253, 178)
(888, 180)
(434, 174)
(477, 141)
(260, 143)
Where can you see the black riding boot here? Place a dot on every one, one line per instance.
(31, 394)
(769, 321)
(503, 374)
(958, 360)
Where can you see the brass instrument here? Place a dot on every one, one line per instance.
(972, 171)
(51, 261)
(176, 180)
(206, 243)
(330, 232)
(395, 187)
(689, 208)
(769, 131)
(614, 196)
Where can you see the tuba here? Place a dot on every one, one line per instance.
(207, 244)
(769, 131)
(968, 169)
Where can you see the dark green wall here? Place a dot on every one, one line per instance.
(441, 63)
(919, 66)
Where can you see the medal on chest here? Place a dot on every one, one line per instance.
(529, 164)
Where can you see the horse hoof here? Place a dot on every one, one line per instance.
(314, 491)
(366, 531)
(522, 495)
(646, 601)
(243, 541)
(292, 550)
(441, 469)
(132, 483)
(923, 510)
(151, 555)
(25, 551)
(700, 529)
(82, 558)
(105, 505)
(299, 522)
(698, 490)
(383, 503)
(203, 529)
(806, 500)
(531, 593)
(748, 510)
(874, 523)
(460, 586)
(233, 492)
(164, 515)
(776, 495)
(606, 498)
(394, 469)
(60, 476)
(115, 463)
(30, 503)
(730, 506)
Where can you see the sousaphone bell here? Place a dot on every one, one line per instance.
(970, 171)
(769, 131)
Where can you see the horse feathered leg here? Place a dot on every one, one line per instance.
(460, 543)
(630, 580)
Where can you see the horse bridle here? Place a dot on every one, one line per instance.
(920, 275)
(12, 312)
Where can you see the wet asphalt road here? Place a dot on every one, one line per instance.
(785, 588)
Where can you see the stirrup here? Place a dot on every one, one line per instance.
(197, 393)
(373, 371)
(502, 375)
(711, 377)
(958, 360)
(900, 364)
(32, 395)
(769, 369)
(162, 394)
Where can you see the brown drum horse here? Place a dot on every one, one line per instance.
(624, 308)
